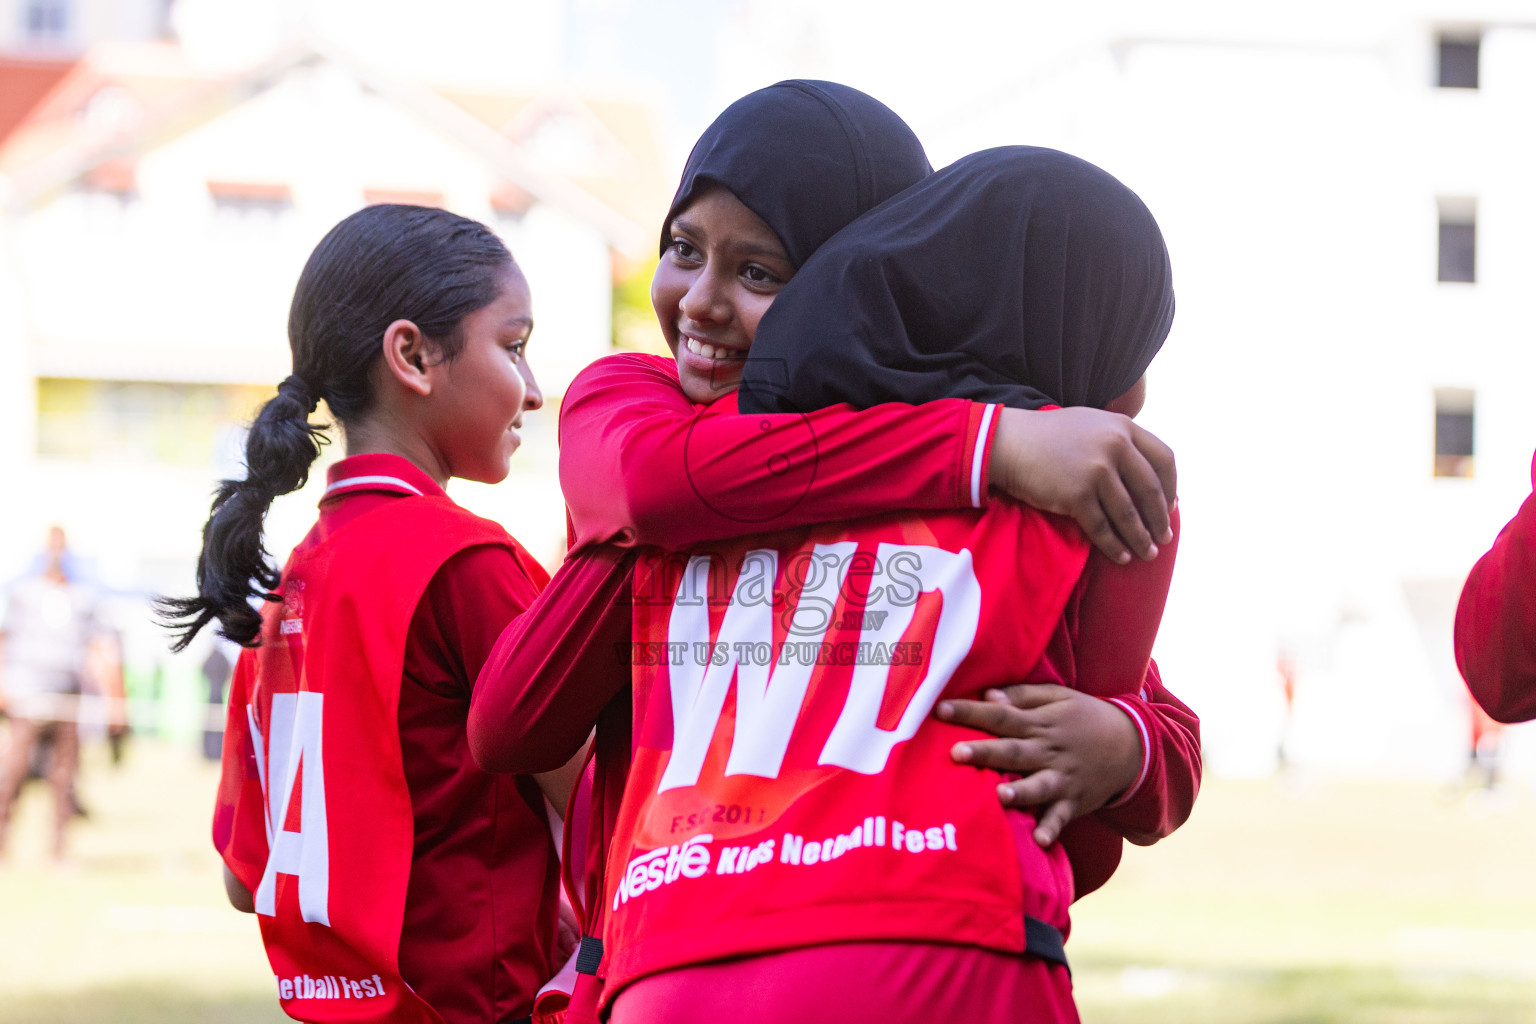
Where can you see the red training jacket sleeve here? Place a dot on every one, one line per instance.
(641, 464)
(555, 667)
(1164, 795)
(1496, 621)
(1116, 623)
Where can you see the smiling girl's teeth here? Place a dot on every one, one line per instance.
(707, 350)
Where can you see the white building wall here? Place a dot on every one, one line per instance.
(570, 273)
(181, 292)
(1293, 155)
(1296, 185)
(168, 288)
(16, 419)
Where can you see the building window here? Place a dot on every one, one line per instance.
(1454, 419)
(250, 201)
(1458, 239)
(106, 193)
(47, 20)
(1458, 60)
(105, 212)
(115, 178)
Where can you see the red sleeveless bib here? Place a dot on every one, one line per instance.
(313, 813)
(789, 785)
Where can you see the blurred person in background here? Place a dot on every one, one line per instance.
(49, 626)
(217, 668)
(1496, 621)
(1285, 667)
(1487, 740)
(104, 679)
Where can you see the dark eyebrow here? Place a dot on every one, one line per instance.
(682, 223)
(520, 321)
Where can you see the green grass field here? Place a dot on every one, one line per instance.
(1358, 903)
(1351, 903)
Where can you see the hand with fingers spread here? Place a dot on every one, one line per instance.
(1116, 479)
(1076, 752)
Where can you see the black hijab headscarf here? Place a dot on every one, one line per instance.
(807, 157)
(1016, 275)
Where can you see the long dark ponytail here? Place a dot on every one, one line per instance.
(382, 264)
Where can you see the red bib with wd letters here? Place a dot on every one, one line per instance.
(789, 785)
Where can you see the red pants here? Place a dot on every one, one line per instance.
(884, 982)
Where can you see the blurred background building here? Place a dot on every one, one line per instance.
(1345, 189)
(160, 199)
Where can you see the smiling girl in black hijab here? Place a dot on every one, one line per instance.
(805, 156)
(778, 173)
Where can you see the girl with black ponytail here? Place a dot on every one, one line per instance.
(383, 865)
(280, 446)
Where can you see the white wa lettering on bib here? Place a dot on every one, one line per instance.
(769, 696)
(294, 739)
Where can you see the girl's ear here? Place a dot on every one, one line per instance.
(409, 356)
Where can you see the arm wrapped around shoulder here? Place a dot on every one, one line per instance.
(641, 464)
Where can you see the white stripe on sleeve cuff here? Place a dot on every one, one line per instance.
(978, 456)
(1146, 749)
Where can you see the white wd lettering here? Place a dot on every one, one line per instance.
(768, 696)
(294, 738)
(857, 741)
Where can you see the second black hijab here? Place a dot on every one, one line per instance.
(1017, 275)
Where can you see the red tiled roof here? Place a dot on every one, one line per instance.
(23, 84)
(410, 197)
(640, 187)
(120, 176)
(258, 191)
(509, 198)
(150, 92)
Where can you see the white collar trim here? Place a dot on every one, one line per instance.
(391, 482)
